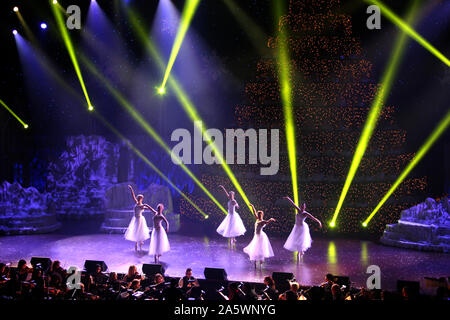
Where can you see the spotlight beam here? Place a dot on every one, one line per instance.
(410, 31)
(429, 142)
(286, 99)
(13, 114)
(375, 111)
(71, 51)
(185, 21)
(54, 74)
(184, 100)
(144, 124)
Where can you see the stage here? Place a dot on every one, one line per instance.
(340, 257)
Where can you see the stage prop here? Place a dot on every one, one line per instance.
(24, 211)
(119, 207)
(425, 226)
(78, 179)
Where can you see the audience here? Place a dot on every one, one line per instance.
(25, 283)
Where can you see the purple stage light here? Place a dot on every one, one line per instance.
(43, 26)
(14, 31)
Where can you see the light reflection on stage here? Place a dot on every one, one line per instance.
(340, 257)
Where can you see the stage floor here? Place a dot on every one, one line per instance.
(339, 257)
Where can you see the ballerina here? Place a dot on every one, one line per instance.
(300, 239)
(159, 243)
(138, 230)
(259, 248)
(232, 226)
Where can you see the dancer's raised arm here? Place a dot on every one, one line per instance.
(225, 190)
(132, 193)
(254, 210)
(312, 217)
(150, 208)
(293, 203)
(266, 222)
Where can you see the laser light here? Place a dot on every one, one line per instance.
(43, 26)
(91, 108)
(16, 9)
(332, 224)
(55, 1)
(161, 90)
(25, 126)
(14, 31)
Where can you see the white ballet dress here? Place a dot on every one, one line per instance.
(159, 243)
(232, 226)
(259, 248)
(299, 239)
(137, 229)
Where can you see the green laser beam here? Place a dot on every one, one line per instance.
(410, 31)
(375, 111)
(71, 51)
(286, 98)
(144, 124)
(54, 74)
(183, 99)
(185, 21)
(437, 132)
(13, 114)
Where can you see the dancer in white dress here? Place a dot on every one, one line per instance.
(259, 248)
(300, 239)
(159, 243)
(138, 230)
(232, 226)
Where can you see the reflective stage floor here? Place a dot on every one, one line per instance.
(339, 257)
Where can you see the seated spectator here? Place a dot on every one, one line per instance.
(132, 274)
(336, 292)
(188, 281)
(292, 293)
(271, 293)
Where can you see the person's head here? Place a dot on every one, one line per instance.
(329, 277)
(98, 268)
(140, 198)
(268, 281)
(336, 290)
(260, 215)
(160, 208)
(132, 270)
(159, 278)
(135, 284)
(188, 272)
(232, 195)
(2, 268)
(21, 265)
(112, 276)
(294, 286)
(55, 265)
(303, 206)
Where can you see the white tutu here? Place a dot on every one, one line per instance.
(232, 226)
(159, 243)
(299, 239)
(259, 248)
(137, 229)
